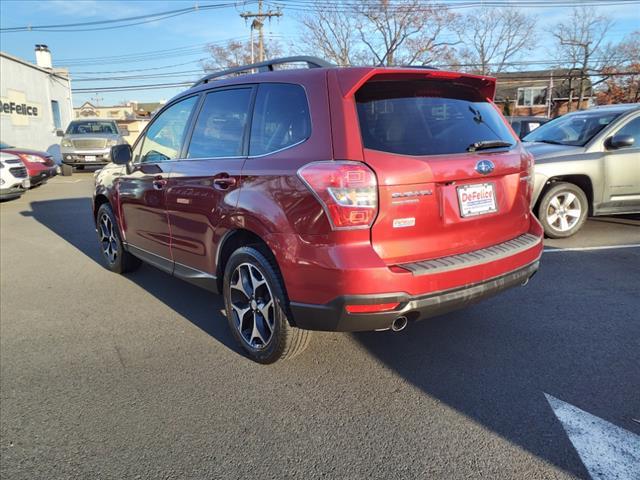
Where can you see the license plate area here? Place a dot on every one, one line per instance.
(90, 158)
(476, 199)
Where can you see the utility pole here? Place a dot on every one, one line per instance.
(97, 99)
(258, 22)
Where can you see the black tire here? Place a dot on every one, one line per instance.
(80, 167)
(66, 170)
(563, 210)
(285, 341)
(116, 258)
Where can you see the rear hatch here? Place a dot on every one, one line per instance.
(452, 176)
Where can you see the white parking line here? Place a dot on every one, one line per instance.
(606, 450)
(588, 249)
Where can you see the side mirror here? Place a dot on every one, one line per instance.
(60, 133)
(621, 141)
(121, 154)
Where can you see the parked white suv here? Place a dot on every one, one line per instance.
(14, 179)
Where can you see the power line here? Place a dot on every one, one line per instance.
(185, 72)
(311, 5)
(125, 22)
(163, 67)
(190, 83)
(195, 49)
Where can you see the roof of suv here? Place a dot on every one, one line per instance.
(350, 78)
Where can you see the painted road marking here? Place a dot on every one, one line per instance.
(587, 249)
(606, 450)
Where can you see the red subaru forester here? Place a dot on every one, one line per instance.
(325, 198)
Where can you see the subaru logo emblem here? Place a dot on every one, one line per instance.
(485, 167)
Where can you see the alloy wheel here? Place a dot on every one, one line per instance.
(564, 211)
(108, 239)
(252, 306)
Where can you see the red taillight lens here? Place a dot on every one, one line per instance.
(348, 192)
(528, 177)
(378, 307)
(31, 158)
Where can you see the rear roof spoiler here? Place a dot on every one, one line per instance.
(351, 79)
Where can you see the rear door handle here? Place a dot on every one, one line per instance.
(224, 182)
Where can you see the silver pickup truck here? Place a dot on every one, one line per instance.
(88, 142)
(587, 163)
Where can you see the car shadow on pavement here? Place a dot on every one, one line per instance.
(571, 333)
(71, 219)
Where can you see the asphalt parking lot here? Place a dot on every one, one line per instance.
(106, 376)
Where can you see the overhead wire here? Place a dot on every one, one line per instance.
(190, 82)
(125, 22)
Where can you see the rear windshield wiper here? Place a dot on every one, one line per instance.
(486, 144)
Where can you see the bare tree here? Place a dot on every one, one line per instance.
(620, 80)
(492, 38)
(235, 53)
(405, 32)
(580, 46)
(332, 33)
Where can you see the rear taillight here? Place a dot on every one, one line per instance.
(528, 177)
(348, 192)
(31, 158)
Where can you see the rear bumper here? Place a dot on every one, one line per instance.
(11, 192)
(333, 316)
(41, 176)
(79, 157)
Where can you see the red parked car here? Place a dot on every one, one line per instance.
(40, 165)
(341, 199)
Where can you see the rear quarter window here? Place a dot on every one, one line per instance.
(426, 118)
(280, 118)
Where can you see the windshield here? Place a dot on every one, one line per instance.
(428, 118)
(575, 129)
(92, 126)
(5, 145)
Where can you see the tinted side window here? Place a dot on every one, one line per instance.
(164, 137)
(221, 124)
(280, 118)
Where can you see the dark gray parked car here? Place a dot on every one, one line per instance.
(587, 163)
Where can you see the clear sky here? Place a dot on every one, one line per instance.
(86, 53)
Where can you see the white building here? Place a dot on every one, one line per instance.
(35, 101)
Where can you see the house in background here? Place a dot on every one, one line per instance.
(547, 93)
(132, 116)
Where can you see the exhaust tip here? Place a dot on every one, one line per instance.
(399, 324)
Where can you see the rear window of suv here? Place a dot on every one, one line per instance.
(426, 118)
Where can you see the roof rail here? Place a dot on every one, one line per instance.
(267, 66)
